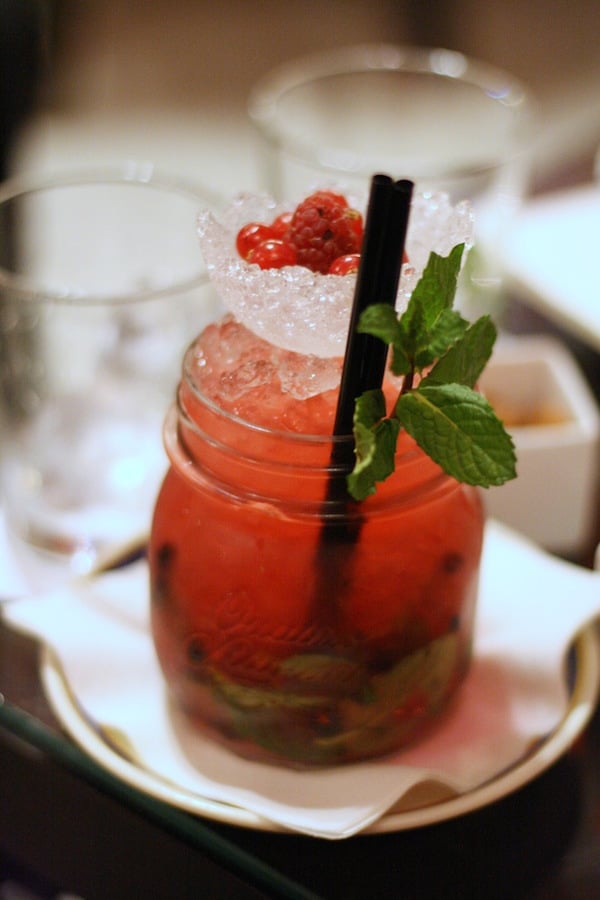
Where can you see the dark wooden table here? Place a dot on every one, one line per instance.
(67, 824)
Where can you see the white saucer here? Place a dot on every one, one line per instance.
(424, 806)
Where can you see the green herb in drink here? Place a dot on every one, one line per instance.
(440, 356)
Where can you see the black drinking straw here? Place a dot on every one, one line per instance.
(377, 281)
(363, 369)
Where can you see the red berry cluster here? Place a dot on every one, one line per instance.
(323, 234)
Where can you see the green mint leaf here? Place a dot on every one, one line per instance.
(369, 409)
(459, 430)
(381, 321)
(448, 328)
(429, 326)
(325, 673)
(375, 439)
(375, 451)
(450, 421)
(464, 362)
(435, 289)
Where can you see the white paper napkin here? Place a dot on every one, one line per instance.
(531, 606)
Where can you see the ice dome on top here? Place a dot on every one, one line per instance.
(304, 311)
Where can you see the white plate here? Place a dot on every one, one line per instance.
(423, 807)
(551, 257)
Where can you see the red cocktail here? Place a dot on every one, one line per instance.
(293, 625)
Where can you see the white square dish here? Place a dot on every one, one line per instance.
(536, 387)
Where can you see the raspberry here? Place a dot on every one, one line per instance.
(339, 198)
(322, 229)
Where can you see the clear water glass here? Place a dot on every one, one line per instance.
(102, 285)
(447, 122)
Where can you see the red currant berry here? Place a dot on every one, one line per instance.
(250, 236)
(273, 254)
(345, 265)
(281, 225)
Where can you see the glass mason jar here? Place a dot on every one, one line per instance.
(293, 625)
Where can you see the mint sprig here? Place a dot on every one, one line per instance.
(453, 423)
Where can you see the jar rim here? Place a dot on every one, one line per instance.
(301, 438)
(206, 441)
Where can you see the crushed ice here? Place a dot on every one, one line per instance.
(303, 311)
(232, 361)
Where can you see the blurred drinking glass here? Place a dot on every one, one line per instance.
(102, 285)
(447, 122)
